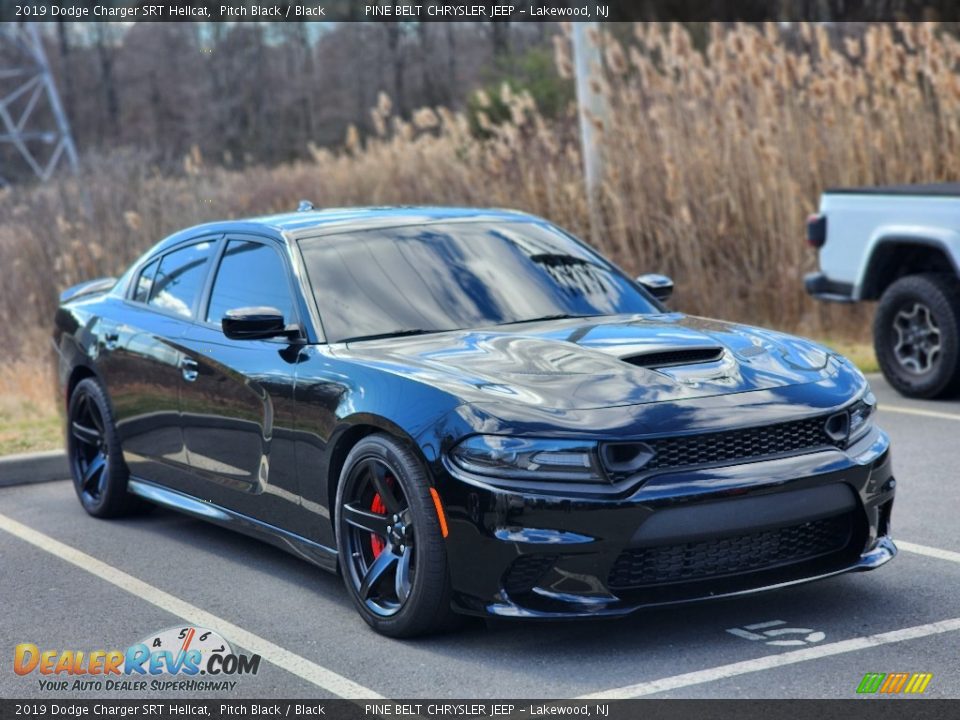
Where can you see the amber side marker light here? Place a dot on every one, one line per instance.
(440, 516)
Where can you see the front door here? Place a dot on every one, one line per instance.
(237, 405)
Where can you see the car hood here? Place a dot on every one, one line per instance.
(587, 363)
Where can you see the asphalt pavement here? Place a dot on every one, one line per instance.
(68, 581)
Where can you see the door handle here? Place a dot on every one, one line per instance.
(189, 369)
(111, 340)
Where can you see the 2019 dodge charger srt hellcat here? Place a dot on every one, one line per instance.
(467, 411)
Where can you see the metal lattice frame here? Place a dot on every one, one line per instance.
(30, 93)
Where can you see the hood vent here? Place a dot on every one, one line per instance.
(666, 358)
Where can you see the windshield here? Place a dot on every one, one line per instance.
(429, 278)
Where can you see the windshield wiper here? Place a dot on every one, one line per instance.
(545, 318)
(391, 334)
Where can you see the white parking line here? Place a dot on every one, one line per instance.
(918, 411)
(929, 551)
(291, 662)
(774, 661)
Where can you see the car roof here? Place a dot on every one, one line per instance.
(363, 217)
(296, 225)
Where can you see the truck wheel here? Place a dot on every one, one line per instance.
(916, 335)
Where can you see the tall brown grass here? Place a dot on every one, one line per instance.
(28, 409)
(713, 160)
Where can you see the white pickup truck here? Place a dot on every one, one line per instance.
(899, 245)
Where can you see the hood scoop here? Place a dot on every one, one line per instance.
(673, 357)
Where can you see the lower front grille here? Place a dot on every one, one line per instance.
(739, 554)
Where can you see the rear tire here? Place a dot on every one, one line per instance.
(93, 450)
(393, 556)
(916, 335)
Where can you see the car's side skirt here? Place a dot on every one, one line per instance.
(298, 545)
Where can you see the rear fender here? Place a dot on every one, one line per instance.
(870, 283)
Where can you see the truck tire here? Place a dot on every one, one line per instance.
(916, 335)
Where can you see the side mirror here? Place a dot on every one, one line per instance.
(660, 286)
(253, 323)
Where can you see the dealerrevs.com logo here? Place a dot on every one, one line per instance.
(179, 658)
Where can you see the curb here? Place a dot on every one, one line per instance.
(33, 468)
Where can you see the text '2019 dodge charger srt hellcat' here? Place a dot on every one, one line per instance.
(467, 411)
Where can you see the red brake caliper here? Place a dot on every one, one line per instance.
(377, 544)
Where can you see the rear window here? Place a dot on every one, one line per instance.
(179, 279)
(145, 281)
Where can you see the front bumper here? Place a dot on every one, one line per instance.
(679, 537)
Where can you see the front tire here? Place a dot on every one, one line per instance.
(93, 449)
(392, 553)
(917, 335)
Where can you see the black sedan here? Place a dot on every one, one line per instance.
(467, 411)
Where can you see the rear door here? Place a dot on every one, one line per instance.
(237, 404)
(145, 364)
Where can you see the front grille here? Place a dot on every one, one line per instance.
(752, 552)
(524, 573)
(675, 357)
(735, 445)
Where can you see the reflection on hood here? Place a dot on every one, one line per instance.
(601, 362)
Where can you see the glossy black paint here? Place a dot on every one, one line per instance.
(252, 434)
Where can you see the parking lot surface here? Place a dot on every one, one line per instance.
(73, 582)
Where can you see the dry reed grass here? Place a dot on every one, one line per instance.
(713, 160)
(28, 414)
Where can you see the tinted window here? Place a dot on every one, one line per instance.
(459, 275)
(145, 282)
(180, 278)
(250, 274)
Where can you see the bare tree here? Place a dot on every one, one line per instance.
(66, 67)
(451, 29)
(429, 87)
(106, 54)
(262, 91)
(395, 32)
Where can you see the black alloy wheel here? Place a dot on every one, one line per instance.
(379, 537)
(93, 447)
(392, 553)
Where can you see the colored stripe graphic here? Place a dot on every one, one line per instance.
(871, 682)
(893, 683)
(918, 683)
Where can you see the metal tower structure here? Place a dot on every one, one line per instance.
(32, 121)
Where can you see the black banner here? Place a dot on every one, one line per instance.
(880, 709)
(467, 11)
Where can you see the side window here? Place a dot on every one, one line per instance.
(145, 282)
(180, 277)
(251, 274)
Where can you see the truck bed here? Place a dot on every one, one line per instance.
(929, 190)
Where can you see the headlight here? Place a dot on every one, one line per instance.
(529, 458)
(861, 415)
